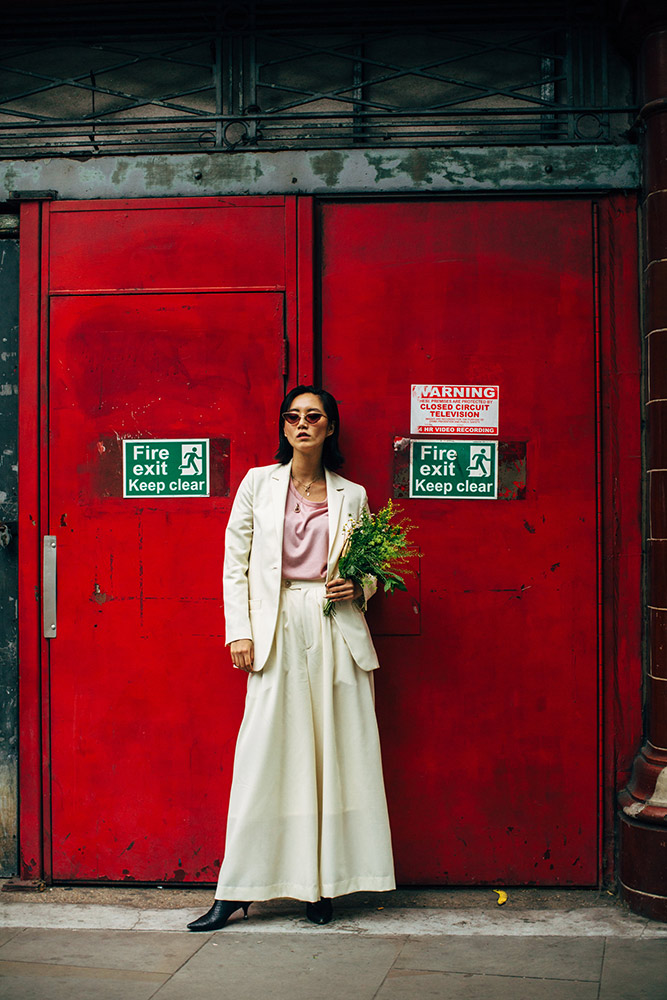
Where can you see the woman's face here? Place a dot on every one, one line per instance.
(307, 438)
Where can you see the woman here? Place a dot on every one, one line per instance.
(307, 813)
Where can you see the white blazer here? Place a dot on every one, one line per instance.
(253, 561)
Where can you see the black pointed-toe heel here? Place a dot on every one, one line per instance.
(218, 915)
(320, 912)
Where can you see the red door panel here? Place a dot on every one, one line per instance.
(146, 244)
(144, 706)
(489, 716)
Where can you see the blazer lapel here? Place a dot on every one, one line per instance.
(335, 496)
(279, 486)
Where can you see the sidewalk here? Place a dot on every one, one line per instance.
(124, 944)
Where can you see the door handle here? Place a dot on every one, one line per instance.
(49, 587)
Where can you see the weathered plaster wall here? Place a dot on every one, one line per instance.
(9, 285)
(329, 172)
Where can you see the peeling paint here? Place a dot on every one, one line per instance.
(120, 173)
(461, 168)
(384, 169)
(419, 166)
(634, 808)
(329, 165)
(159, 172)
(100, 598)
(659, 796)
(9, 277)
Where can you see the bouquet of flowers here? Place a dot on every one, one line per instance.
(374, 546)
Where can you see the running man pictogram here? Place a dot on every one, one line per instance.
(479, 458)
(191, 459)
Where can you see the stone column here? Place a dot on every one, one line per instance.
(643, 813)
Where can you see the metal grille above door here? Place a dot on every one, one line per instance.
(271, 76)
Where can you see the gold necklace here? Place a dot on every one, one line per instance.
(297, 506)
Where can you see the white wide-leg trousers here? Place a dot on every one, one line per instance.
(307, 812)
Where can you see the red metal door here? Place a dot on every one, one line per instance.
(174, 319)
(144, 707)
(489, 716)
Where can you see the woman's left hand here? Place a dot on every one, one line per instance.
(343, 590)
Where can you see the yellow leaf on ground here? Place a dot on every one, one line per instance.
(502, 896)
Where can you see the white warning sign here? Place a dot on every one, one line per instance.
(454, 409)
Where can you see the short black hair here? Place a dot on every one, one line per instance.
(331, 455)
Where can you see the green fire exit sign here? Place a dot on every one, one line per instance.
(455, 470)
(172, 467)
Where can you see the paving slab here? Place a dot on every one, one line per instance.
(36, 981)
(634, 970)
(7, 933)
(150, 952)
(284, 968)
(55, 915)
(539, 957)
(454, 986)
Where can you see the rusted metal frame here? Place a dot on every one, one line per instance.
(337, 50)
(163, 102)
(550, 123)
(358, 130)
(604, 78)
(251, 79)
(160, 102)
(217, 82)
(285, 117)
(598, 527)
(412, 71)
(400, 71)
(195, 116)
(94, 116)
(228, 66)
(77, 81)
(158, 146)
(29, 542)
(250, 86)
(535, 103)
(570, 83)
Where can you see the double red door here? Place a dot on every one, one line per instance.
(188, 319)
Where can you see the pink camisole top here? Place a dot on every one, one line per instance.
(305, 538)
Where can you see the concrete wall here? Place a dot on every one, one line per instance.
(9, 284)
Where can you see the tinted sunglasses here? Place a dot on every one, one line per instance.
(292, 417)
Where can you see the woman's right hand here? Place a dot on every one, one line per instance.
(243, 654)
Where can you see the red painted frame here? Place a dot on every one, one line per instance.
(620, 485)
(621, 521)
(30, 700)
